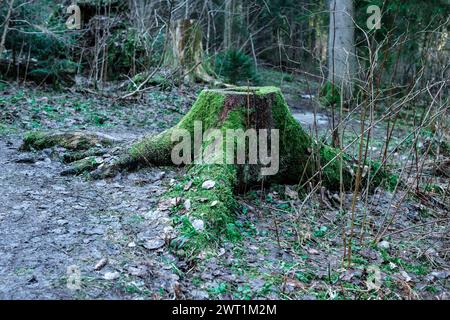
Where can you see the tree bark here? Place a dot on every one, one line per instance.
(5, 27)
(341, 46)
(228, 24)
(187, 54)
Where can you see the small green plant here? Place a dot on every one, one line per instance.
(236, 67)
(329, 94)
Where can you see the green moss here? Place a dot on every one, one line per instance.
(381, 177)
(153, 149)
(81, 166)
(329, 95)
(74, 141)
(331, 163)
(36, 140)
(215, 207)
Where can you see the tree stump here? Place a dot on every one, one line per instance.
(211, 186)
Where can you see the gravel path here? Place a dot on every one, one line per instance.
(54, 229)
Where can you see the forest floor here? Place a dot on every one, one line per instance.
(111, 231)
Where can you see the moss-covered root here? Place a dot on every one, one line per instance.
(74, 141)
(151, 150)
(83, 165)
(206, 197)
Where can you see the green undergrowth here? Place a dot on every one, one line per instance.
(329, 94)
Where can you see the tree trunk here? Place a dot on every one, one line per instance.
(341, 46)
(228, 24)
(187, 51)
(6, 26)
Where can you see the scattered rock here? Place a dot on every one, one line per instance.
(291, 193)
(101, 264)
(441, 274)
(188, 185)
(198, 225)
(221, 252)
(199, 294)
(313, 251)
(176, 201)
(153, 244)
(392, 265)
(208, 184)
(257, 284)
(405, 276)
(214, 203)
(384, 245)
(139, 271)
(187, 204)
(294, 284)
(111, 276)
(158, 176)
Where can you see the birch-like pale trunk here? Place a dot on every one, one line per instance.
(341, 45)
(228, 22)
(5, 27)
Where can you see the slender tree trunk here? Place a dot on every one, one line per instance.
(228, 24)
(341, 47)
(5, 27)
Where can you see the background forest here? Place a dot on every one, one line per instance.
(376, 89)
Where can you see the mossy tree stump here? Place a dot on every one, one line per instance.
(301, 159)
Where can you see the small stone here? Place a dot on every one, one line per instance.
(384, 245)
(111, 276)
(139, 271)
(199, 294)
(154, 244)
(187, 204)
(291, 193)
(214, 203)
(175, 201)
(392, 265)
(158, 176)
(313, 251)
(101, 264)
(208, 184)
(406, 276)
(188, 185)
(441, 274)
(198, 225)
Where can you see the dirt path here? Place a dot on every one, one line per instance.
(49, 223)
